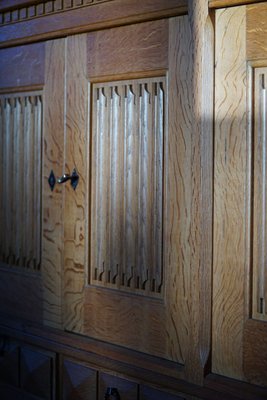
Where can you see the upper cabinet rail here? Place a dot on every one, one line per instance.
(40, 20)
(231, 3)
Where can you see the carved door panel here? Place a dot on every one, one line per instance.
(240, 290)
(32, 143)
(127, 258)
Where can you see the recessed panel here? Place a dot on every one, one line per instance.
(127, 175)
(20, 179)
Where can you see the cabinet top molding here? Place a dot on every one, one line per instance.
(231, 3)
(24, 21)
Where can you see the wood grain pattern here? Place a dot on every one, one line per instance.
(230, 3)
(127, 184)
(200, 239)
(255, 352)
(53, 148)
(81, 20)
(21, 176)
(141, 47)
(256, 38)
(76, 156)
(22, 66)
(259, 194)
(230, 195)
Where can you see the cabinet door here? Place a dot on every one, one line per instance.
(31, 148)
(127, 224)
(239, 283)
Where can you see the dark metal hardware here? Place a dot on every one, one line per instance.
(52, 180)
(73, 178)
(112, 394)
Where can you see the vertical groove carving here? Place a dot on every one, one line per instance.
(259, 198)
(20, 196)
(127, 185)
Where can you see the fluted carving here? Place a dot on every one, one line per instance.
(260, 195)
(20, 179)
(127, 185)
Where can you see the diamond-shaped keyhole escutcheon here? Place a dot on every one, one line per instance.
(52, 180)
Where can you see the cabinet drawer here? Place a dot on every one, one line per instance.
(147, 393)
(127, 390)
(79, 381)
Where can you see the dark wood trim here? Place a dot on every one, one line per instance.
(130, 364)
(99, 15)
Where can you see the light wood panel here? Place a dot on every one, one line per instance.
(53, 148)
(149, 325)
(140, 48)
(21, 176)
(230, 3)
(127, 185)
(76, 202)
(256, 38)
(200, 238)
(231, 250)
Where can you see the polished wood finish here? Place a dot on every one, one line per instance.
(83, 19)
(230, 195)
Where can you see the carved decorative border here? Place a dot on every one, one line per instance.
(44, 8)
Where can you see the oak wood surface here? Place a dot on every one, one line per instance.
(76, 202)
(22, 66)
(120, 318)
(231, 3)
(127, 363)
(78, 20)
(256, 38)
(53, 160)
(139, 48)
(230, 208)
(255, 352)
(200, 238)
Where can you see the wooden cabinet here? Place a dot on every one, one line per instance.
(133, 232)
